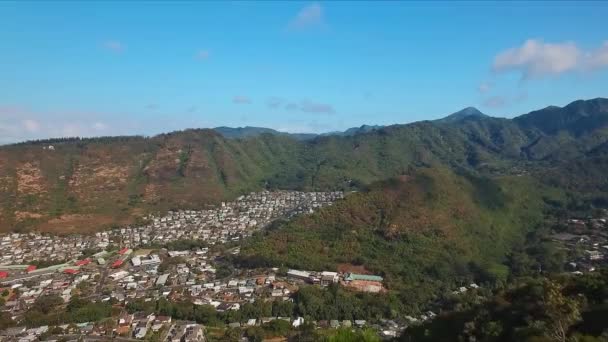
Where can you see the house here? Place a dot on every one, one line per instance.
(82, 262)
(163, 319)
(327, 280)
(117, 263)
(140, 332)
(193, 333)
(162, 279)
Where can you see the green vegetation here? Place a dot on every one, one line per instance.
(562, 309)
(171, 262)
(51, 310)
(447, 230)
(114, 180)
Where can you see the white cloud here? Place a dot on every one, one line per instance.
(240, 99)
(114, 46)
(537, 59)
(310, 16)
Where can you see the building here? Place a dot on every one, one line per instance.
(301, 275)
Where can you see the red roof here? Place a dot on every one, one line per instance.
(70, 271)
(123, 251)
(31, 268)
(3, 274)
(83, 262)
(117, 263)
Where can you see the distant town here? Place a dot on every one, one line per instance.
(122, 265)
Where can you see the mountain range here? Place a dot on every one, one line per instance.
(249, 131)
(77, 185)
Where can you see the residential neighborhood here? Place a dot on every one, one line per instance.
(586, 243)
(133, 263)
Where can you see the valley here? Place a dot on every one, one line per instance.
(383, 232)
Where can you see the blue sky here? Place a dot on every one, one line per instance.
(108, 68)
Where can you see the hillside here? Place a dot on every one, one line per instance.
(451, 229)
(67, 185)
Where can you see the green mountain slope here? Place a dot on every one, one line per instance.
(85, 184)
(423, 232)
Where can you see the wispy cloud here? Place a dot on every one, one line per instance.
(599, 57)
(31, 126)
(291, 106)
(537, 59)
(495, 101)
(99, 126)
(240, 99)
(484, 87)
(202, 55)
(314, 107)
(274, 102)
(152, 106)
(308, 17)
(502, 101)
(114, 46)
(308, 106)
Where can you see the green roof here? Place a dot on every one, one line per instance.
(367, 277)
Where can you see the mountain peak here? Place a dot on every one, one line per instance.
(469, 112)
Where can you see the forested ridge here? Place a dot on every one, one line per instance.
(90, 184)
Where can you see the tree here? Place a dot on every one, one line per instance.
(562, 312)
(47, 303)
